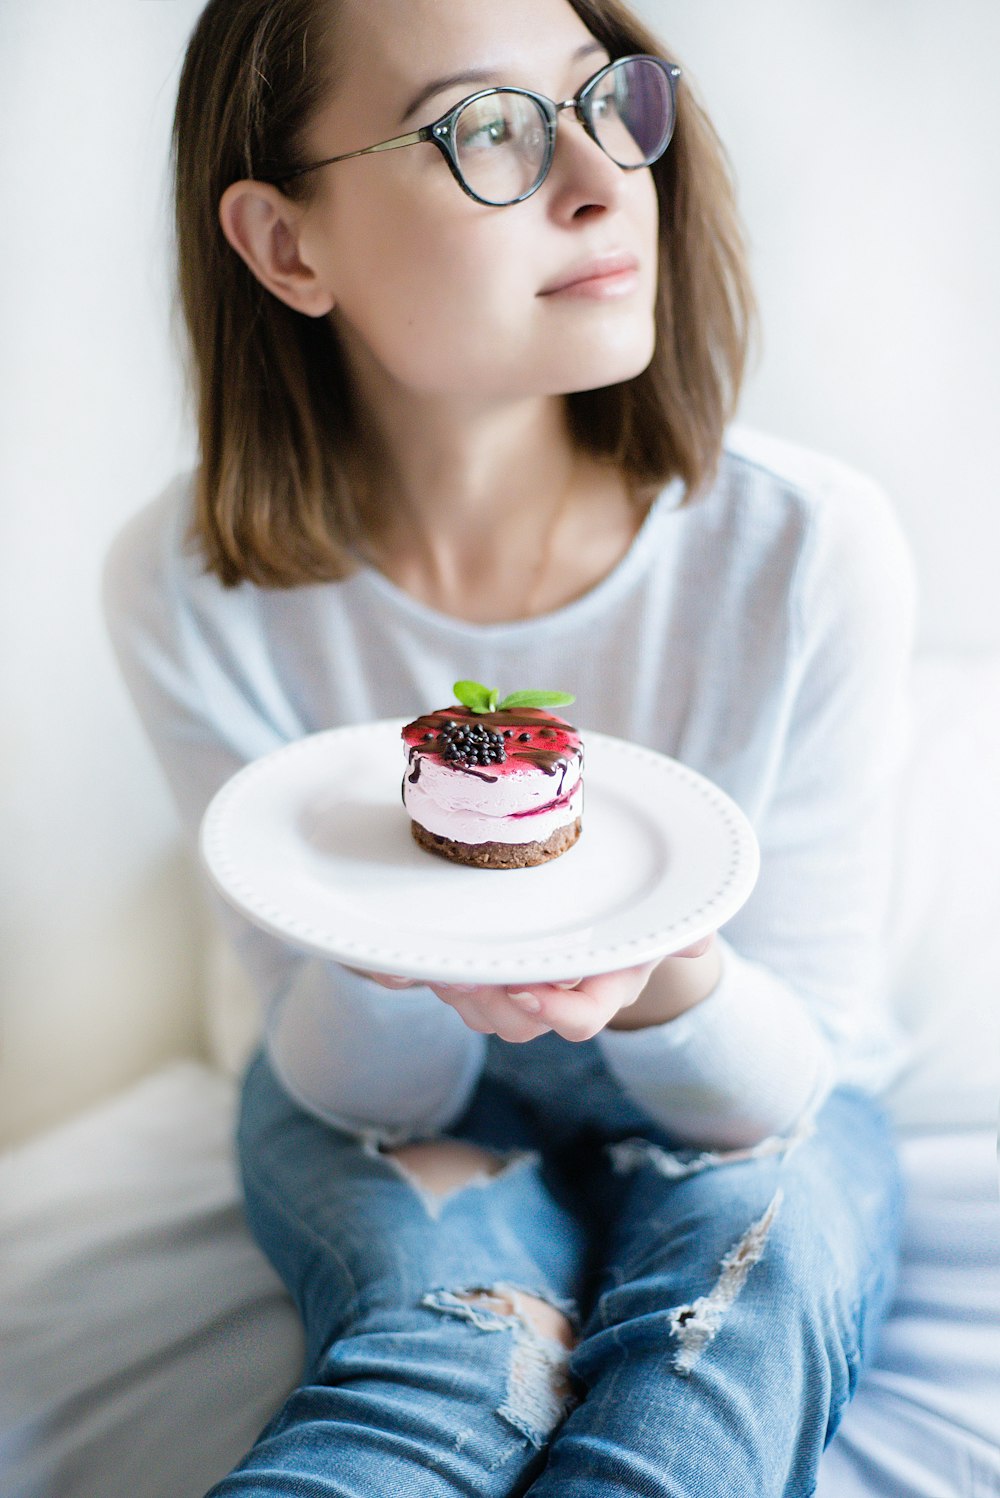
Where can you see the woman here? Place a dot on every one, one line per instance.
(467, 312)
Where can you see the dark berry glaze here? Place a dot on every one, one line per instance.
(505, 742)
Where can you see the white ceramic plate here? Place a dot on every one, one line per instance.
(313, 844)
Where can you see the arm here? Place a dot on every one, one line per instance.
(798, 1006)
(210, 698)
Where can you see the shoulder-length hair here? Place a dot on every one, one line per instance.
(274, 501)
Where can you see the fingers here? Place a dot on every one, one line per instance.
(384, 980)
(489, 1011)
(580, 1013)
(575, 1016)
(698, 948)
(576, 1008)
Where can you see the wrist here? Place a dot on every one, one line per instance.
(674, 986)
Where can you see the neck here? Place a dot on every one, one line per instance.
(485, 512)
(465, 475)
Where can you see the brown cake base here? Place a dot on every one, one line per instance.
(498, 855)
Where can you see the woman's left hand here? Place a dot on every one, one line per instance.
(576, 1009)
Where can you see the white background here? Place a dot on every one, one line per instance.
(865, 138)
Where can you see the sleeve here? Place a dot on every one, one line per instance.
(389, 1065)
(801, 1003)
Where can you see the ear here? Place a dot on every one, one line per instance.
(263, 227)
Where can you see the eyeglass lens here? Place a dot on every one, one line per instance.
(501, 141)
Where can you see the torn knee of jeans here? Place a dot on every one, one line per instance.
(694, 1326)
(538, 1393)
(437, 1169)
(634, 1154)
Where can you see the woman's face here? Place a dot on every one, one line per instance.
(436, 291)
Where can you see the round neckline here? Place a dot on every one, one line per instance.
(613, 582)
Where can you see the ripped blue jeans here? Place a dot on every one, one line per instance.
(713, 1310)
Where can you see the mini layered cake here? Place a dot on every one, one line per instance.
(498, 786)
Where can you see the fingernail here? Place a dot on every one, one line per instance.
(527, 1000)
(570, 983)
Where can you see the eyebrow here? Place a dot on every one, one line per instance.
(477, 75)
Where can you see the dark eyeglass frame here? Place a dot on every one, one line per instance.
(441, 132)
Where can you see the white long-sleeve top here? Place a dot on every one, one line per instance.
(760, 634)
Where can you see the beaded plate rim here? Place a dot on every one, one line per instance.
(333, 939)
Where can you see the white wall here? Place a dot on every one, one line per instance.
(865, 138)
(99, 974)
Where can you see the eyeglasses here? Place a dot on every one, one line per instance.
(500, 142)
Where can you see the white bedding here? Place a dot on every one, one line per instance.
(144, 1340)
(926, 1419)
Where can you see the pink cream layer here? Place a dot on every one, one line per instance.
(536, 789)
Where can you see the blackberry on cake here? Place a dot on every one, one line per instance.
(496, 785)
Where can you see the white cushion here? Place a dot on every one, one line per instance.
(233, 1019)
(925, 1422)
(943, 934)
(144, 1339)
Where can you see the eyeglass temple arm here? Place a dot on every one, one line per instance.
(412, 139)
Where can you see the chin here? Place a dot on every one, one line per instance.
(609, 365)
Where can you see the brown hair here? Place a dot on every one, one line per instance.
(274, 500)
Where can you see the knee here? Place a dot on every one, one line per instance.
(777, 1281)
(539, 1336)
(443, 1165)
(533, 1312)
(763, 1265)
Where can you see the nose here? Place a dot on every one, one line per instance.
(583, 179)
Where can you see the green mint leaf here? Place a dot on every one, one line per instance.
(473, 695)
(494, 699)
(537, 699)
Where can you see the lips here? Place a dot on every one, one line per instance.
(596, 269)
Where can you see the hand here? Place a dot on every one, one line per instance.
(386, 980)
(577, 1009)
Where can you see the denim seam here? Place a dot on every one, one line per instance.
(301, 1225)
